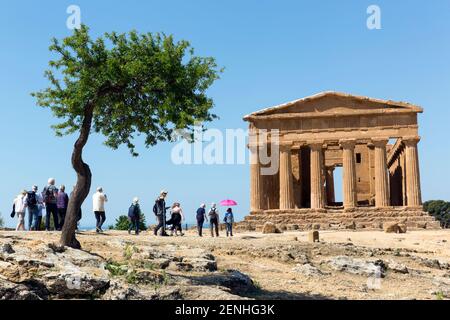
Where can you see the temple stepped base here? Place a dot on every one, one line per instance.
(360, 218)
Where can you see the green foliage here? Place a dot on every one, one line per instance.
(148, 265)
(116, 269)
(122, 223)
(131, 277)
(129, 250)
(133, 84)
(165, 278)
(439, 209)
(128, 270)
(2, 223)
(164, 281)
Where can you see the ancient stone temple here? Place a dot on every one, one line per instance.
(374, 141)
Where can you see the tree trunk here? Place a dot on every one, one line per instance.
(83, 185)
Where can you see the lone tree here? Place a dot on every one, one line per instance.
(123, 223)
(123, 85)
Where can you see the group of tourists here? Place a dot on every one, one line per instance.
(52, 199)
(55, 202)
(213, 215)
(176, 218)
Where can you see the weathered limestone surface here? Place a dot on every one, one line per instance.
(35, 270)
(250, 266)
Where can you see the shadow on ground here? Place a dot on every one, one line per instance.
(243, 286)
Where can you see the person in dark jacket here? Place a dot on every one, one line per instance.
(201, 217)
(134, 216)
(229, 220)
(50, 194)
(62, 201)
(160, 209)
(33, 201)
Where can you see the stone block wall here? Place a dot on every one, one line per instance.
(357, 219)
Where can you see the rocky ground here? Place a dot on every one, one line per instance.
(115, 265)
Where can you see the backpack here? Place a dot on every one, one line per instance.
(13, 212)
(31, 199)
(132, 211)
(213, 213)
(155, 208)
(49, 195)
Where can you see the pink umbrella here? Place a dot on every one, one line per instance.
(228, 203)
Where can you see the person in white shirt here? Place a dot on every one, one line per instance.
(19, 208)
(99, 199)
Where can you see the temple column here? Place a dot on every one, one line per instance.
(381, 177)
(412, 172)
(349, 173)
(317, 194)
(286, 182)
(255, 179)
(329, 179)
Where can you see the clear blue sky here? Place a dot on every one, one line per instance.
(273, 52)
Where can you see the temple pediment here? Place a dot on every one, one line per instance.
(331, 104)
